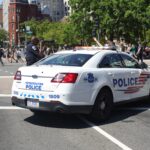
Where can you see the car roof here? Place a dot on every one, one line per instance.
(81, 51)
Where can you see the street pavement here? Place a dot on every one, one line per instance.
(128, 128)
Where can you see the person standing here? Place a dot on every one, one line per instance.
(19, 58)
(9, 55)
(13, 54)
(33, 53)
(133, 51)
(139, 53)
(1, 55)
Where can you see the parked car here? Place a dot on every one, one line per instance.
(88, 81)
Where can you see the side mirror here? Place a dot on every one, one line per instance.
(144, 65)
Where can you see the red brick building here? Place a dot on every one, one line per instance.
(20, 11)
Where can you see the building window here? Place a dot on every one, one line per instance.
(13, 27)
(13, 18)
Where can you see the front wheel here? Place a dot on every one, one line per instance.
(103, 105)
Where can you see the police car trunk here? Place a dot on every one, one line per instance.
(36, 87)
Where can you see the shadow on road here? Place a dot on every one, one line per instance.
(121, 113)
(56, 120)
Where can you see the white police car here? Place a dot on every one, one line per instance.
(81, 81)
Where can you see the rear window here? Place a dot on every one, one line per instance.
(65, 59)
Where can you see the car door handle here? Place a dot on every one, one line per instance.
(110, 73)
(132, 72)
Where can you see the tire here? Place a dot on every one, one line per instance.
(103, 105)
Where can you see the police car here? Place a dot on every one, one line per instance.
(88, 81)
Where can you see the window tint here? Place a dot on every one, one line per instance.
(111, 60)
(129, 61)
(65, 59)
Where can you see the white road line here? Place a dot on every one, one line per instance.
(11, 108)
(5, 95)
(6, 71)
(108, 136)
(6, 77)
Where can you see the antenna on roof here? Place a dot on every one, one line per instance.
(98, 43)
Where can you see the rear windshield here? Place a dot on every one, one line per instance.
(65, 59)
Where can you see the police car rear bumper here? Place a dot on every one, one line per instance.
(54, 106)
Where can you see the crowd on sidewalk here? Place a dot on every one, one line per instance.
(139, 51)
(11, 55)
(36, 51)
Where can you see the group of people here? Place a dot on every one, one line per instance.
(136, 51)
(11, 55)
(34, 52)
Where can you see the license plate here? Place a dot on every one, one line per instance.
(32, 103)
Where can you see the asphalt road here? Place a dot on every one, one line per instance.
(128, 127)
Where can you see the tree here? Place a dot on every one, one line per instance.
(3, 36)
(60, 32)
(117, 18)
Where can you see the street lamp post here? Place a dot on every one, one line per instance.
(18, 29)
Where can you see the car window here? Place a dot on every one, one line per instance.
(66, 59)
(111, 61)
(129, 62)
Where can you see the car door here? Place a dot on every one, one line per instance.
(116, 75)
(138, 78)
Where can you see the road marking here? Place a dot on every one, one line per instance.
(11, 108)
(108, 136)
(5, 95)
(6, 77)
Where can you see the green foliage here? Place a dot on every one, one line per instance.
(117, 18)
(61, 32)
(3, 35)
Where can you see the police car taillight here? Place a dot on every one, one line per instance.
(65, 78)
(17, 75)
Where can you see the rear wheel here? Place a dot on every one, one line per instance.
(103, 105)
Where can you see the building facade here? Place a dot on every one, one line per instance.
(5, 14)
(16, 12)
(55, 8)
(67, 8)
(19, 11)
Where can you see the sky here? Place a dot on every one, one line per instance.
(1, 1)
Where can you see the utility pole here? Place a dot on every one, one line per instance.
(18, 28)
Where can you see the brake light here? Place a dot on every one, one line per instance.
(65, 78)
(17, 75)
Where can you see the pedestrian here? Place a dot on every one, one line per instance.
(8, 55)
(13, 51)
(19, 58)
(139, 53)
(133, 51)
(33, 53)
(1, 56)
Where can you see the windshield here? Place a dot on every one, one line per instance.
(65, 59)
